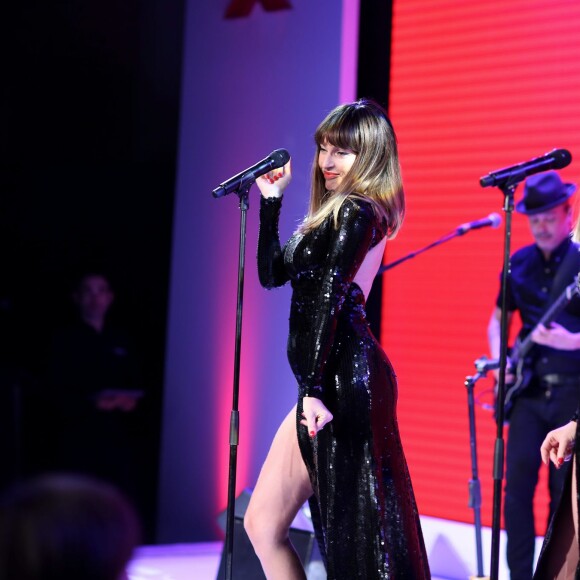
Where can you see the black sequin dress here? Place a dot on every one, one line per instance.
(363, 508)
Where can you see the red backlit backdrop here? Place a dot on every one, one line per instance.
(475, 86)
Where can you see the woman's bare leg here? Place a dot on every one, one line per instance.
(568, 571)
(563, 555)
(575, 509)
(282, 488)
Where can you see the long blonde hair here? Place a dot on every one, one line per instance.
(375, 176)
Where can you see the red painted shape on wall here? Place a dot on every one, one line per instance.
(242, 8)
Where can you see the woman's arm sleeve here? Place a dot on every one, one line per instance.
(271, 271)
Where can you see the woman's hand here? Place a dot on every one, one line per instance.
(273, 183)
(315, 414)
(559, 444)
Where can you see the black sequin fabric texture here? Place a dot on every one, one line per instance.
(363, 508)
(551, 560)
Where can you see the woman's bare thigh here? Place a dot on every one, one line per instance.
(283, 485)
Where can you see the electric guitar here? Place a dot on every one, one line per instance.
(519, 360)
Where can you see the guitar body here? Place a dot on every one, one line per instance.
(523, 373)
(521, 356)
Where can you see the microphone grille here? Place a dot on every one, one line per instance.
(562, 158)
(495, 219)
(280, 157)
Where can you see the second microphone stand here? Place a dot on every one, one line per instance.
(482, 365)
(460, 231)
(474, 484)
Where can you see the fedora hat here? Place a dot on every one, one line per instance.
(543, 192)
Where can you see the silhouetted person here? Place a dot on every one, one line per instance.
(95, 389)
(64, 527)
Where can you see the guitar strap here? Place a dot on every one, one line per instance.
(569, 268)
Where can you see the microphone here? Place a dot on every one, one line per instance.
(555, 159)
(493, 220)
(276, 159)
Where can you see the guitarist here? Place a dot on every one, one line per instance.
(539, 274)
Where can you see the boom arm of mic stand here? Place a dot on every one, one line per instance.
(445, 238)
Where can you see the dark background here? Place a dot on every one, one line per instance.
(89, 134)
(89, 125)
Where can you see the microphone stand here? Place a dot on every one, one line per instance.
(474, 485)
(482, 365)
(455, 233)
(242, 193)
(508, 189)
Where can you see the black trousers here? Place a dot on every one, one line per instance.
(537, 410)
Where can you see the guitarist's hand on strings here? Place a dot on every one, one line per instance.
(556, 336)
(559, 445)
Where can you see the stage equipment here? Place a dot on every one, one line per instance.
(482, 365)
(278, 158)
(493, 220)
(555, 159)
(240, 185)
(507, 181)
